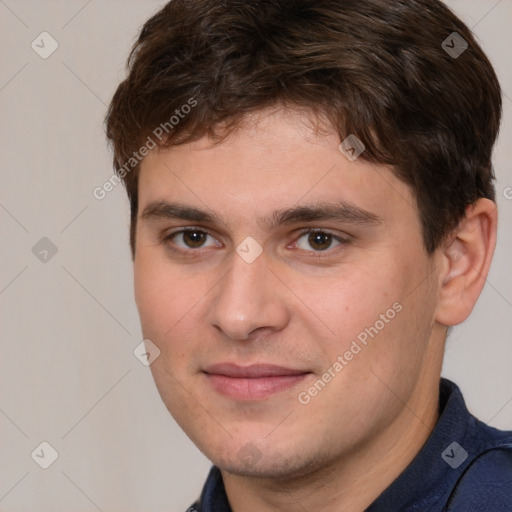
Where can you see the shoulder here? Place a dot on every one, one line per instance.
(486, 484)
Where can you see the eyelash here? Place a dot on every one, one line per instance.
(325, 253)
(167, 240)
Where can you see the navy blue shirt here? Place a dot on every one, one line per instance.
(465, 466)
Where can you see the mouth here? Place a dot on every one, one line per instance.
(254, 382)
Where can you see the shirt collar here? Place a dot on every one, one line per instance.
(427, 482)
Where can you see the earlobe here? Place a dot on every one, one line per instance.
(466, 258)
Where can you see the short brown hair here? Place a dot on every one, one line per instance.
(374, 68)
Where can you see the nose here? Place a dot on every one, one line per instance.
(249, 298)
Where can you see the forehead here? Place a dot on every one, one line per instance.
(273, 160)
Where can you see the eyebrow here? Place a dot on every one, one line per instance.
(342, 211)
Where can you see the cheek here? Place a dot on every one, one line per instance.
(159, 300)
(147, 296)
(372, 318)
(170, 307)
(163, 305)
(352, 300)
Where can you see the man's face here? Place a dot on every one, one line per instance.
(345, 304)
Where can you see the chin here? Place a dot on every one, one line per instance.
(249, 460)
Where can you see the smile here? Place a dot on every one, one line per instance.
(255, 382)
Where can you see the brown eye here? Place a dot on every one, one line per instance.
(190, 239)
(194, 239)
(320, 241)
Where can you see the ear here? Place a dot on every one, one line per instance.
(465, 261)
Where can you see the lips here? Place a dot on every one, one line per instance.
(252, 371)
(254, 382)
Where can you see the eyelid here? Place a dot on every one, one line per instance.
(343, 240)
(169, 236)
(327, 231)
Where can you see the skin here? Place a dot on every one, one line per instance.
(299, 307)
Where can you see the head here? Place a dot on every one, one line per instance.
(346, 270)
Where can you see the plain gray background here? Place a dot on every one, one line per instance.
(68, 373)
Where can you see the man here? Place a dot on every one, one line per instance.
(312, 207)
